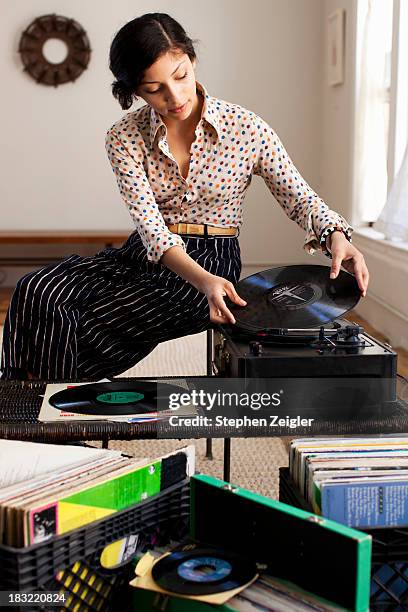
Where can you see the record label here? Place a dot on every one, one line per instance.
(120, 397)
(204, 569)
(293, 295)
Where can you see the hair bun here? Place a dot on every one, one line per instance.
(123, 94)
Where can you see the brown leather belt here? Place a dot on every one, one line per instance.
(196, 229)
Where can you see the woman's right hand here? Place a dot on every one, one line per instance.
(216, 288)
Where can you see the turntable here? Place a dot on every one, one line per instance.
(293, 327)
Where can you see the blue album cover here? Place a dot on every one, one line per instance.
(366, 504)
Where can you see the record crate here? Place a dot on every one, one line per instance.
(286, 543)
(70, 564)
(389, 566)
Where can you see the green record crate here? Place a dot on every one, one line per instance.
(320, 556)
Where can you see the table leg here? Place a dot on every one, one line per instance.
(208, 448)
(227, 459)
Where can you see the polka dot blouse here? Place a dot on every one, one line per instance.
(232, 144)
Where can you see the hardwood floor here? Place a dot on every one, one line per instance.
(4, 301)
(5, 295)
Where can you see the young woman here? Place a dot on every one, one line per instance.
(183, 163)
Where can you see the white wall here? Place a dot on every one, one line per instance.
(338, 103)
(265, 54)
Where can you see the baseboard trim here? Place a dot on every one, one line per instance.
(392, 323)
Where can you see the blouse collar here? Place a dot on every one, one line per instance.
(209, 112)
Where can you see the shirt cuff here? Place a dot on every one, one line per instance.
(346, 229)
(313, 243)
(161, 243)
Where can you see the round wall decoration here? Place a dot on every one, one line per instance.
(54, 50)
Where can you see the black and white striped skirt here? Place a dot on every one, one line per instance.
(88, 317)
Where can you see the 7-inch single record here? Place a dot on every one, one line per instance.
(112, 398)
(294, 297)
(203, 571)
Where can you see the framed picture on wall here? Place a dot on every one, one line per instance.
(335, 47)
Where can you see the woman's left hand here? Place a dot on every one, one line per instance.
(346, 255)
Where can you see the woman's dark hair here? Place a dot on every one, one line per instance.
(138, 45)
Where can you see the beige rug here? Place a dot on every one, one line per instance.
(254, 461)
(181, 357)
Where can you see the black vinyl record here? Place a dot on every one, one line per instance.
(202, 571)
(294, 297)
(112, 398)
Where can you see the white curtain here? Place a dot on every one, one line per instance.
(393, 220)
(371, 118)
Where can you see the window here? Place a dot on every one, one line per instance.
(374, 121)
(393, 219)
(398, 90)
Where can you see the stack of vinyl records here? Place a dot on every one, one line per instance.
(360, 482)
(47, 490)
